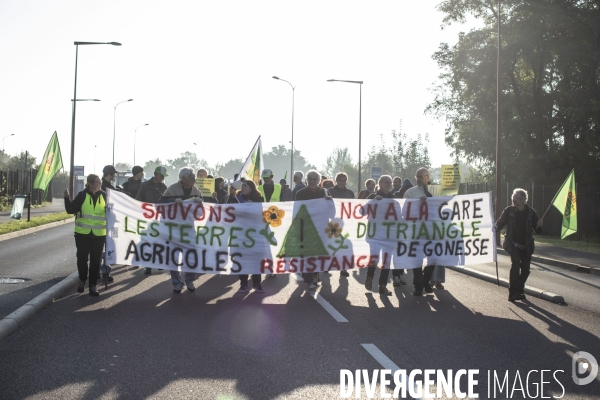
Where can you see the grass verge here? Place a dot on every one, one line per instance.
(588, 247)
(17, 225)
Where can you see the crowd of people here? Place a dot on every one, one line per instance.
(90, 223)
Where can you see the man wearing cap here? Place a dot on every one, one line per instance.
(133, 184)
(269, 190)
(108, 175)
(151, 190)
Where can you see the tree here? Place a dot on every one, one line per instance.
(279, 161)
(550, 96)
(18, 162)
(150, 166)
(230, 168)
(187, 159)
(122, 167)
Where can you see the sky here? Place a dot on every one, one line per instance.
(201, 72)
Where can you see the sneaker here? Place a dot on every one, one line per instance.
(383, 290)
(439, 286)
(521, 296)
(369, 283)
(108, 277)
(428, 288)
(402, 280)
(176, 291)
(259, 288)
(243, 289)
(81, 286)
(344, 273)
(396, 280)
(93, 291)
(418, 292)
(148, 271)
(312, 288)
(190, 286)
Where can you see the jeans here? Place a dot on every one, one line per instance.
(190, 277)
(89, 247)
(519, 270)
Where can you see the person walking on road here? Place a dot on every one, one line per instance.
(384, 192)
(151, 192)
(520, 221)
(249, 194)
(178, 192)
(89, 207)
(340, 191)
(312, 192)
(421, 277)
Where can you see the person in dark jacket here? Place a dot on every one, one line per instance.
(132, 185)
(108, 175)
(219, 189)
(520, 221)
(406, 184)
(249, 194)
(90, 230)
(384, 192)
(151, 191)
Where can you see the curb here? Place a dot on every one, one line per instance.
(530, 290)
(561, 264)
(27, 231)
(18, 318)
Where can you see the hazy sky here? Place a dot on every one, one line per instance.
(200, 71)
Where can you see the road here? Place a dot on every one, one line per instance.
(42, 259)
(139, 340)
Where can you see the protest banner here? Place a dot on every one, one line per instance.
(301, 236)
(206, 186)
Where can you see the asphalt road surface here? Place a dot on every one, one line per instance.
(139, 340)
(41, 259)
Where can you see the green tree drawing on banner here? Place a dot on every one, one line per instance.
(302, 239)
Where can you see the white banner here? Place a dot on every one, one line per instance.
(301, 236)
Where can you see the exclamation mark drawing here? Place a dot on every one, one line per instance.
(301, 233)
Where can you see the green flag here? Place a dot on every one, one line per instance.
(50, 164)
(565, 201)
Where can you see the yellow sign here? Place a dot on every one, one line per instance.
(206, 186)
(450, 181)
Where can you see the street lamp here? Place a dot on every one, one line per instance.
(3, 152)
(292, 158)
(72, 170)
(115, 127)
(359, 126)
(498, 128)
(134, 137)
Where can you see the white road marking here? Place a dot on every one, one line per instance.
(324, 303)
(382, 359)
(329, 308)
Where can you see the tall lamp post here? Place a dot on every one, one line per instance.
(3, 152)
(134, 138)
(115, 127)
(498, 130)
(72, 169)
(292, 158)
(359, 128)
